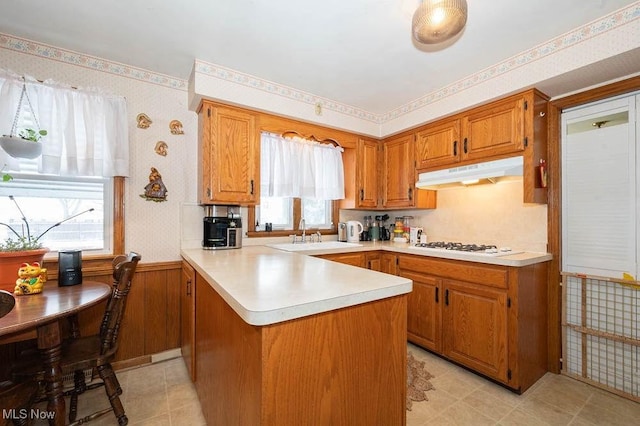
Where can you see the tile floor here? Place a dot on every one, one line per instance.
(162, 394)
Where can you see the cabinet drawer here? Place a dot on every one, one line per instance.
(490, 275)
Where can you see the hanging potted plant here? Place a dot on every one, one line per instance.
(27, 143)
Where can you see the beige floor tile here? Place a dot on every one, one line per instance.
(488, 404)
(142, 407)
(461, 413)
(162, 420)
(188, 415)
(607, 417)
(520, 417)
(180, 395)
(545, 412)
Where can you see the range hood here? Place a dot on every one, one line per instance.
(511, 166)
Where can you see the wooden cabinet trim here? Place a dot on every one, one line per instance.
(490, 275)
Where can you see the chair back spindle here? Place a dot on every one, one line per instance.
(123, 272)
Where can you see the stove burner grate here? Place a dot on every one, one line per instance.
(458, 246)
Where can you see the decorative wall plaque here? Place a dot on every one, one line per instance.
(155, 189)
(175, 127)
(161, 148)
(143, 121)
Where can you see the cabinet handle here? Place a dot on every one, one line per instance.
(465, 145)
(361, 194)
(437, 292)
(251, 186)
(209, 193)
(188, 287)
(369, 265)
(455, 148)
(446, 297)
(410, 193)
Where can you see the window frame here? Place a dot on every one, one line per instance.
(297, 215)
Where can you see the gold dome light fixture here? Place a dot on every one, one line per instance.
(435, 21)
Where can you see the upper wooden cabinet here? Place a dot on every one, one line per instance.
(515, 125)
(494, 129)
(399, 176)
(398, 172)
(438, 145)
(381, 176)
(367, 166)
(229, 166)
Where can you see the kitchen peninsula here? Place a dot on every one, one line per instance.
(282, 338)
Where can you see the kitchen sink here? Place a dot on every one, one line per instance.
(324, 245)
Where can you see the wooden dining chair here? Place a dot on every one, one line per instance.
(15, 396)
(96, 352)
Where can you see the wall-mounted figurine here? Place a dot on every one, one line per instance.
(161, 148)
(143, 121)
(176, 127)
(155, 189)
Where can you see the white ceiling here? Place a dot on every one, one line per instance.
(356, 52)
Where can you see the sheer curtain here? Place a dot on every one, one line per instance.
(87, 129)
(296, 167)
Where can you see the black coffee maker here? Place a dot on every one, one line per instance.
(385, 233)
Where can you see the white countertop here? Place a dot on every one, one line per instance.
(265, 286)
(516, 260)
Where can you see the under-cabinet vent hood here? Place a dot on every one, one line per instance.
(491, 169)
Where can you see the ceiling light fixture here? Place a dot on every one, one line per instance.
(435, 21)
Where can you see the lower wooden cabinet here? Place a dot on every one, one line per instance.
(187, 317)
(490, 318)
(424, 317)
(354, 259)
(475, 320)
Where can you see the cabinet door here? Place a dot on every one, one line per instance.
(475, 327)
(367, 173)
(373, 261)
(398, 171)
(389, 263)
(424, 315)
(493, 130)
(229, 150)
(354, 259)
(438, 145)
(187, 318)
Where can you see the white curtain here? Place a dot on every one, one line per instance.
(87, 129)
(296, 167)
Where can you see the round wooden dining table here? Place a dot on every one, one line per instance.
(42, 312)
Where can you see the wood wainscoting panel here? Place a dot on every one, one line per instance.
(152, 316)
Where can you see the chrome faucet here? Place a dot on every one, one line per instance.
(302, 225)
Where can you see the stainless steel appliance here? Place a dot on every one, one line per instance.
(222, 228)
(342, 232)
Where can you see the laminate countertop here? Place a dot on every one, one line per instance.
(519, 259)
(265, 285)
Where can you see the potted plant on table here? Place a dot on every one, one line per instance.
(18, 249)
(22, 248)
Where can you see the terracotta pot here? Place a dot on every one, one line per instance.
(10, 263)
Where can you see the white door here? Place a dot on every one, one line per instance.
(599, 189)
